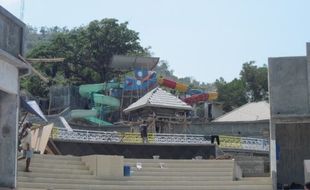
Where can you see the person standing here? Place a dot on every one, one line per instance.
(26, 138)
(307, 186)
(143, 132)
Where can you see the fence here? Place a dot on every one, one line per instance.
(159, 138)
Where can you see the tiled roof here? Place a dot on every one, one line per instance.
(159, 98)
(254, 111)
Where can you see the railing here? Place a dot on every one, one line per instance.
(85, 135)
(181, 139)
(244, 143)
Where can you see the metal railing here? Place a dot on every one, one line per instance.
(245, 143)
(85, 135)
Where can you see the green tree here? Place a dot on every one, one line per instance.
(87, 51)
(232, 94)
(35, 36)
(252, 86)
(162, 69)
(256, 81)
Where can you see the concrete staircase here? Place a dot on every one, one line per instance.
(68, 172)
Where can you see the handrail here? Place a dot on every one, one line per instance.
(245, 143)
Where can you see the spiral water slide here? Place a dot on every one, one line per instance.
(101, 103)
(197, 95)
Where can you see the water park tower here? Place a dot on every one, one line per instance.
(144, 78)
(105, 101)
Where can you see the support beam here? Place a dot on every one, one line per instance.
(34, 70)
(8, 139)
(45, 60)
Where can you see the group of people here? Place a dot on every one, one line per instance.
(24, 139)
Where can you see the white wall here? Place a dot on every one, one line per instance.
(8, 78)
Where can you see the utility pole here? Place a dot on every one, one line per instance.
(22, 8)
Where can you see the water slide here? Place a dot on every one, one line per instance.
(196, 94)
(102, 104)
(201, 97)
(172, 84)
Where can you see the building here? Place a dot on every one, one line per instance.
(289, 89)
(167, 112)
(11, 68)
(253, 111)
(249, 120)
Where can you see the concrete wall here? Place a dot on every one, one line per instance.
(253, 166)
(307, 170)
(8, 136)
(290, 116)
(165, 151)
(294, 141)
(105, 166)
(9, 108)
(9, 78)
(288, 80)
(217, 110)
(11, 45)
(12, 33)
(245, 129)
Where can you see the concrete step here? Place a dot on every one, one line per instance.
(135, 187)
(218, 162)
(132, 178)
(170, 188)
(56, 157)
(56, 161)
(199, 188)
(256, 179)
(50, 165)
(181, 178)
(182, 165)
(153, 182)
(167, 169)
(58, 171)
(163, 173)
(54, 175)
(24, 188)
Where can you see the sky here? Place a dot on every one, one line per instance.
(203, 39)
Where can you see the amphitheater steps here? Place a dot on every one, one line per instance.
(130, 182)
(68, 172)
(134, 187)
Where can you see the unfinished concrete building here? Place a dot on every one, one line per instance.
(11, 68)
(289, 89)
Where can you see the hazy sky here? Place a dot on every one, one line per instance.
(205, 39)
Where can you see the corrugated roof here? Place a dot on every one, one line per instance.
(254, 111)
(159, 98)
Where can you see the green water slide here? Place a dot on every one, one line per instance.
(101, 102)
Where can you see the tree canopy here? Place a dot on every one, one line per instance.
(256, 81)
(87, 51)
(250, 87)
(232, 94)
